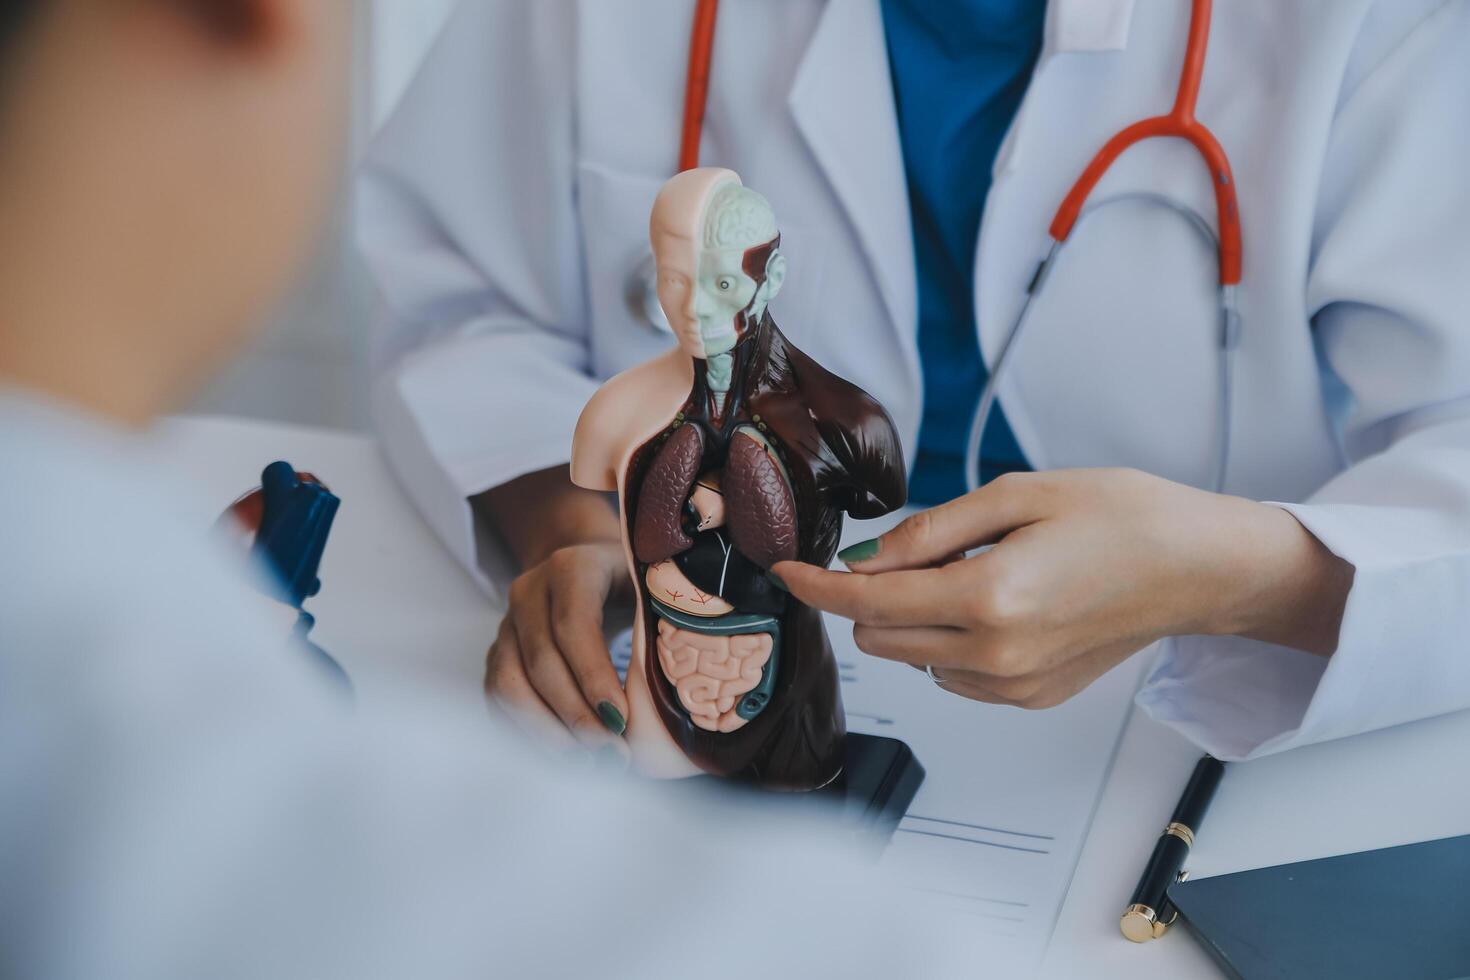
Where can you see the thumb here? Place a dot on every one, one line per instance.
(934, 536)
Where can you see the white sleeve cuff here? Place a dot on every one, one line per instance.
(461, 417)
(1401, 655)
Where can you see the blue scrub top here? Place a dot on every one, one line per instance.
(960, 68)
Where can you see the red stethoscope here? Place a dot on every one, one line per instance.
(1178, 123)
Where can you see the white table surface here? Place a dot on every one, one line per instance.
(396, 610)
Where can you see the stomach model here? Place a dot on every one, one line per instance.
(718, 614)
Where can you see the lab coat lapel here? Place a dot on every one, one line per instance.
(1089, 25)
(1027, 189)
(842, 101)
(1075, 26)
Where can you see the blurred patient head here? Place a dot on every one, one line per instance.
(163, 167)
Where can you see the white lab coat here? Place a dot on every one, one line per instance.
(505, 203)
(182, 795)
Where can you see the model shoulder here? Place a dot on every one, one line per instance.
(625, 410)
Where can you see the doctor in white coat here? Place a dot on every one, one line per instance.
(505, 206)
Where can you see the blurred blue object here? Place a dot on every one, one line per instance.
(295, 521)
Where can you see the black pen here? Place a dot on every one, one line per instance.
(1147, 916)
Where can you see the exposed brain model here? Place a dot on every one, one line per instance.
(730, 453)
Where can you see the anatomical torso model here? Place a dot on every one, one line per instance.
(730, 453)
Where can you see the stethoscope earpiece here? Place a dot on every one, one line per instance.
(641, 295)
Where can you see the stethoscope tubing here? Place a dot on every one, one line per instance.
(1228, 340)
(1180, 122)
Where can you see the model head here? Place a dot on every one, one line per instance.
(718, 251)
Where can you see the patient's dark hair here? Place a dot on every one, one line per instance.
(14, 15)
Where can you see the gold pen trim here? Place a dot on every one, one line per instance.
(1182, 832)
(1138, 923)
(1141, 923)
(1161, 927)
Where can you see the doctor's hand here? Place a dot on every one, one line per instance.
(549, 667)
(1087, 567)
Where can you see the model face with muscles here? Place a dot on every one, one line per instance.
(707, 287)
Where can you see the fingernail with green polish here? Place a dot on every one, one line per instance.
(776, 581)
(612, 717)
(861, 551)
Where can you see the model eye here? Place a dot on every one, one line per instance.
(726, 284)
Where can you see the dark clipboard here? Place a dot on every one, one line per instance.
(1400, 913)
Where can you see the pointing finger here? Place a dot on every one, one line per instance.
(903, 598)
(931, 536)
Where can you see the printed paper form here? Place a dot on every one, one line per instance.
(996, 830)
